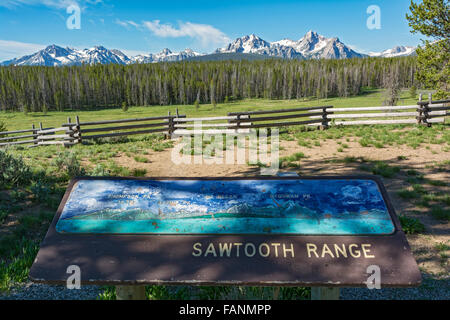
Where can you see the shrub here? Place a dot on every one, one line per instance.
(442, 246)
(141, 159)
(14, 171)
(408, 194)
(383, 169)
(112, 140)
(67, 162)
(3, 215)
(2, 127)
(41, 192)
(440, 213)
(411, 225)
(139, 172)
(100, 170)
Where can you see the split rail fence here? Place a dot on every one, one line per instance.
(73, 132)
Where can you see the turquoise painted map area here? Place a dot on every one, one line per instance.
(315, 207)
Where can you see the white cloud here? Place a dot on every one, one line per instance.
(207, 34)
(134, 24)
(127, 24)
(121, 23)
(14, 49)
(57, 4)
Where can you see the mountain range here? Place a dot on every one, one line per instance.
(310, 46)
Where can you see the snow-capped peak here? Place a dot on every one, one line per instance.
(166, 51)
(166, 55)
(246, 44)
(397, 51)
(311, 46)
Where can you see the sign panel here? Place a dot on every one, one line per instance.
(348, 207)
(258, 231)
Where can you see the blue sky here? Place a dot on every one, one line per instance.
(149, 26)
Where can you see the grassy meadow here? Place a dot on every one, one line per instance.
(18, 121)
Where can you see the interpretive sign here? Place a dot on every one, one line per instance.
(293, 231)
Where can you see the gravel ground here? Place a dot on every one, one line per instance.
(33, 291)
(431, 289)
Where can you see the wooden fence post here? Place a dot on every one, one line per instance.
(229, 121)
(171, 127)
(40, 129)
(79, 140)
(69, 121)
(427, 109)
(419, 109)
(325, 120)
(423, 110)
(35, 135)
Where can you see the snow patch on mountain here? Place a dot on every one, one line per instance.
(57, 56)
(398, 51)
(311, 46)
(165, 56)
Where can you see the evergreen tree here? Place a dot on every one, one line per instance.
(392, 90)
(197, 104)
(108, 86)
(124, 106)
(432, 19)
(413, 92)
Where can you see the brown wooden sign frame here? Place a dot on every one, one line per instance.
(294, 260)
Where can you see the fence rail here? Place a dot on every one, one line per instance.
(70, 133)
(424, 113)
(8, 138)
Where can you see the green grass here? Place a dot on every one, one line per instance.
(437, 183)
(292, 160)
(440, 213)
(17, 120)
(442, 246)
(295, 157)
(139, 172)
(141, 159)
(215, 293)
(14, 269)
(381, 168)
(408, 194)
